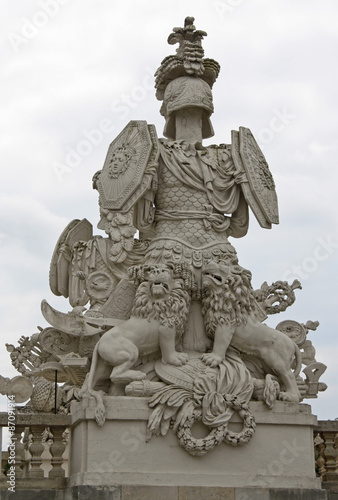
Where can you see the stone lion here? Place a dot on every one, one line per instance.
(157, 321)
(229, 312)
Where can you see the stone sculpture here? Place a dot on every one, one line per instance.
(172, 315)
(225, 325)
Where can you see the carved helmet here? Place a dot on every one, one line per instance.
(184, 92)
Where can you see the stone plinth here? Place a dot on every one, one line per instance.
(280, 454)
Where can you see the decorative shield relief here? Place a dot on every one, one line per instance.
(259, 190)
(59, 276)
(120, 302)
(131, 156)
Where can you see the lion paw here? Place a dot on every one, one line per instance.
(176, 359)
(127, 376)
(289, 397)
(212, 359)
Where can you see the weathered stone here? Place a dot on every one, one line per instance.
(121, 454)
(331, 486)
(201, 493)
(149, 493)
(252, 494)
(32, 494)
(86, 492)
(297, 494)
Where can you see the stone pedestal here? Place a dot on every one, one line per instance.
(280, 454)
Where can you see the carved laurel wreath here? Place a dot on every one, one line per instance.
(201, 446)
(277, 297)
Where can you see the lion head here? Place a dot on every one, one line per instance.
(161, 295)
(227, 295)
(160, 279)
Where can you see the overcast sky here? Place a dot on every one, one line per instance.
(74, 72)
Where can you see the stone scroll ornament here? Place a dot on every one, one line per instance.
(160, 306)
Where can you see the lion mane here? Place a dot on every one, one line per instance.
(227, 296)
(171, 310)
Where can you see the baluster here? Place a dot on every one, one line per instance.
(319, 456)
(36, 449)
(335, 440)
(56, 450)
(19, 450)
(330, 454)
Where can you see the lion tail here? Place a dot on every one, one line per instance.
(100, 411)
(299, 361)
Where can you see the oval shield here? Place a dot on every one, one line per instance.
(259, 175)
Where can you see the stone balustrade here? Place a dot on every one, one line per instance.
(326, 453)
(40, 443)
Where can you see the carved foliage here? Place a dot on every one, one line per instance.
(201, 393)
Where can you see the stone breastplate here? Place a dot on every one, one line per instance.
(172, 194)
(188, 204)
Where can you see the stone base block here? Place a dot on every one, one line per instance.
(128, 492)
(331, 486)
(33, 489)
(189, 493)
(280, 454)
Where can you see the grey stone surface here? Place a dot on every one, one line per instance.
(201, 493)
(252, 494)
(28, 494)
(31, 489)
(297, 494)
(121, 454)
(140, 492)
(85, 492)
(331, 486)
(149, 493)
